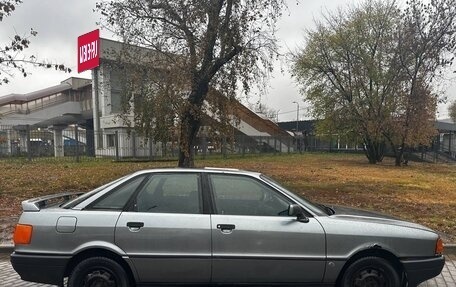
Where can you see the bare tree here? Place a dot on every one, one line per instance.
(370, 70)
(345, 75)
(12, 59)
(267, 112)
(426, 45)
(452, 111)
(223, 44)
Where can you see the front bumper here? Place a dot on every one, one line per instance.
(420, 270)
(40, 268)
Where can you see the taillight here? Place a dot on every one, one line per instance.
(22, 234)
(439, 246)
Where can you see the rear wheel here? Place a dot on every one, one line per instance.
(98, 272)
(370, 272)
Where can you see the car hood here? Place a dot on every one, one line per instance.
(354, 214)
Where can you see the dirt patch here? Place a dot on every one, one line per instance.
(6, 229)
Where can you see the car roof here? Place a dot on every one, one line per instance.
(201, 170)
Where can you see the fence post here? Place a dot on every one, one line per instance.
(29, 145)
(275, 145)
(9, 146)
(204, 145)
(243, 145)
(133, 139)
(90, 143)
(449, 143)
(76, 138)
(289, 144)
(116, 145)
(224, 147)
(330, 142)
(437, 150)
(151, 149)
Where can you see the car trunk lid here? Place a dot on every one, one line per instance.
(38, 203)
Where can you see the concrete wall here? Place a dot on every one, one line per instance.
(45, 114)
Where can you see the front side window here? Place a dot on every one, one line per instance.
(170, 193)
(242, 195)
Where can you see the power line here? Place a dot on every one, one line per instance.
(293, 111)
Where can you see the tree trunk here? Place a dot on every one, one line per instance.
(380, 151)
(370, 154)
(191, 122)
(400, 156)
(189, 129)
(374, 150)
(398, 161)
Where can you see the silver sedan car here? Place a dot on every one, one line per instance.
(215, 226)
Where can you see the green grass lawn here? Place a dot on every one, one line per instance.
(424, 193)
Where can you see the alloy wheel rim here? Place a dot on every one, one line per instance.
(100, 278)
(370, 277)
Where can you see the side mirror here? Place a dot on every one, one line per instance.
(296, 210)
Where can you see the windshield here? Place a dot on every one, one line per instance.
(319, 209)
(77, 200)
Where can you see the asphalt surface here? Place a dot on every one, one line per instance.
(9, 278)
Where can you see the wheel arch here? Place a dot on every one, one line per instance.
(375, 251)
(101, 252)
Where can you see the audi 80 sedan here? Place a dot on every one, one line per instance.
(214, 226)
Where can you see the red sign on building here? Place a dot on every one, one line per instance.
(89, 51)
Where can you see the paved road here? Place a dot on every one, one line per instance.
(9, 278)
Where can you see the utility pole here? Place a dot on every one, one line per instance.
(297, 115)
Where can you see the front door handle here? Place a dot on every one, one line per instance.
(135, 226)
(226, 227)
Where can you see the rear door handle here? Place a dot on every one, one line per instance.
(226, 227)
(135, 226)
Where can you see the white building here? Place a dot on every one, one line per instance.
(76, 106)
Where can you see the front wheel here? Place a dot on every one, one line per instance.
(98, 272)
(370, 272)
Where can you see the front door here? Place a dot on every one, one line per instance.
(166, 234)
(254, 239)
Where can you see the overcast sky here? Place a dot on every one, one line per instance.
(59, 23)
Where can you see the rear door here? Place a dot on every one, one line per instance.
(166, 234)
(254, 239)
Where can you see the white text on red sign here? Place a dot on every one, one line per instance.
(88, 51)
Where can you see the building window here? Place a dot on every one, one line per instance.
(116, 91)
(116, 102)
(110, 140)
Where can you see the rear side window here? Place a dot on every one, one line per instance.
(117, 199)
(170, 193)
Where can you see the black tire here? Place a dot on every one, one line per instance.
(98, 271)
(370, 272)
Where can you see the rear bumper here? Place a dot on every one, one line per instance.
(420, 270)
(40, 268)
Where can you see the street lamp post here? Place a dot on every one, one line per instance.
(298, 146)
(297, 116)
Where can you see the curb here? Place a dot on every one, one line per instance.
(450, 249)
(6, 249)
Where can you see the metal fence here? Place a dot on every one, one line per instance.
(28, 143)
(75, 144)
